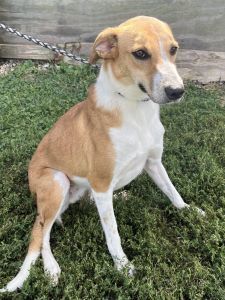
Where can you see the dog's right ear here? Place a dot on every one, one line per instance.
(105, 45)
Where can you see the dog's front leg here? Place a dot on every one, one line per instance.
(157, 172)
(104, 203)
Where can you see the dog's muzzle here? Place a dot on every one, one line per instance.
(174, 93)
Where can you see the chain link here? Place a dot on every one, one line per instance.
(47, 45)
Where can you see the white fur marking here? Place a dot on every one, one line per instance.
(166, 76)
(81, 181)
(62, 180)
(163, 52)
(108, 89)
(65, 185)
(140, 134)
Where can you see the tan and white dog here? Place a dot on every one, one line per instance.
(104, 142)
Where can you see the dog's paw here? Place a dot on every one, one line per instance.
(13, 285)
(199, 210)
(130, 269)
(52, 269)
(124, 265)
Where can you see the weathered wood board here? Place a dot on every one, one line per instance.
(197, 24)
(25, 52)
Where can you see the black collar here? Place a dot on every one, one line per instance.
(120, 94)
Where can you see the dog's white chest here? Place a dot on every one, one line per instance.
(140, 134)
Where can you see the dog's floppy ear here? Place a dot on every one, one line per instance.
(105, 45)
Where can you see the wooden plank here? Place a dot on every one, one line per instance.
(25, 52)
(197, 24)
(32, 51)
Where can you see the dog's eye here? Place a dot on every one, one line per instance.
(173, 50)
(141, 54)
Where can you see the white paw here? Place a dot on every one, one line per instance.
(13, 285)
(124, 264)
(131, 269)
(51, 268)
(199, 210)
(53, 271)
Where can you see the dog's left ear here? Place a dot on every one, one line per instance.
(105, 45)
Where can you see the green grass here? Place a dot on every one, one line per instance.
(177, 254)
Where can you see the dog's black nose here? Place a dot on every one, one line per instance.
(174, 94)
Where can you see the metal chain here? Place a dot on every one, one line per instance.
(47, 45)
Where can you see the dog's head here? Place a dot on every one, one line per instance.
(140, 55)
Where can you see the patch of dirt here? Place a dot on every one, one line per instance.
(8, 65)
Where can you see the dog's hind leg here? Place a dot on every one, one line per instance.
(52, 191)
(59, 201)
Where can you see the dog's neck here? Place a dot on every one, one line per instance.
(111, 93)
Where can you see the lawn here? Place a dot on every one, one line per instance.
(177, 254)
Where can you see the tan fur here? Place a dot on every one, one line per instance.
(125, 67)
(78, 145)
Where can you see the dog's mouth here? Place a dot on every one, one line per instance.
(143, 89)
